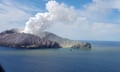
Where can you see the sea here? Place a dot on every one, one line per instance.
(104, 56)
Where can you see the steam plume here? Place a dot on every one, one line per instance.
(57, 13)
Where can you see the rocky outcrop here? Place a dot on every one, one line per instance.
(14, 38)
(85, 44)
(1, 69)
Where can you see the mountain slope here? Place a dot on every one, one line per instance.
(14, 39)
(65, 43)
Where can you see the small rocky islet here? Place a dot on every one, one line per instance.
(15, 39)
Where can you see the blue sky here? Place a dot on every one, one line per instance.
(100, 19)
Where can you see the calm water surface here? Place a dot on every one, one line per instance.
(97, 59)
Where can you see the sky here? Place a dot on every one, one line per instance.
(92, 19)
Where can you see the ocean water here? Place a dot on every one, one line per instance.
(103, 57)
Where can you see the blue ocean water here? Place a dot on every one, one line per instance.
(103, 57)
